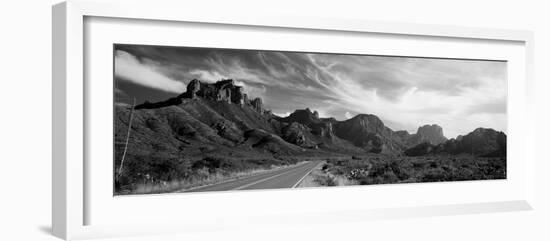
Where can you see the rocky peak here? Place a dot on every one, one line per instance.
(482, 132)
(316, 114)
(484, 141)
(303, 116)
(319, 127)
(366, 122)
(223, 90)
(368, 132)
(193, 87)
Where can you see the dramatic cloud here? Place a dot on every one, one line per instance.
(144, 72)
(459, 95)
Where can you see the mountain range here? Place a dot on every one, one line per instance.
(219, 118)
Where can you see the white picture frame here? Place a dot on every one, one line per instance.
(72, 192)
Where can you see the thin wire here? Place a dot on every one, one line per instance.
(127, 138)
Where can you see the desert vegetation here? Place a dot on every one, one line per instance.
(385, 169)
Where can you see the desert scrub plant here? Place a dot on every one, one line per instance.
(325, 180)
(434, 175)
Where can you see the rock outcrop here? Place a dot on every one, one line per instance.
(257, 104)
(192, 88)
(323, 128)
(296, 133)
(223, 91)
(319, 126)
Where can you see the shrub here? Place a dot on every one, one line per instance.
(325, 181)
(434, 175)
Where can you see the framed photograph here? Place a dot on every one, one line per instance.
(167, 123)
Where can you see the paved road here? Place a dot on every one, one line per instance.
(288, 177)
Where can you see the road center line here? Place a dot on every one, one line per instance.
(301, 179)
(265, 179)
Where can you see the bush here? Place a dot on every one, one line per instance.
(434, 175)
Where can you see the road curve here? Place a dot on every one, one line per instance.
(282, 178)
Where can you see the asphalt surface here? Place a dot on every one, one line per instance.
(288, 177)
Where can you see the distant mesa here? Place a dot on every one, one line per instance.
(432, 134)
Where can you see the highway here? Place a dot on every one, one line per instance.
(288, 177)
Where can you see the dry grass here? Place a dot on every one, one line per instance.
(164, 173)
(320, 177)
(204, 180)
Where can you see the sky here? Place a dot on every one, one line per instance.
(404, 92)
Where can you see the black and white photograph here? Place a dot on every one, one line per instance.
(190, 119)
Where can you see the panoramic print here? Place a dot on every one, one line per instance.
(207, 119)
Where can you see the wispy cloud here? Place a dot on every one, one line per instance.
(210, 76)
